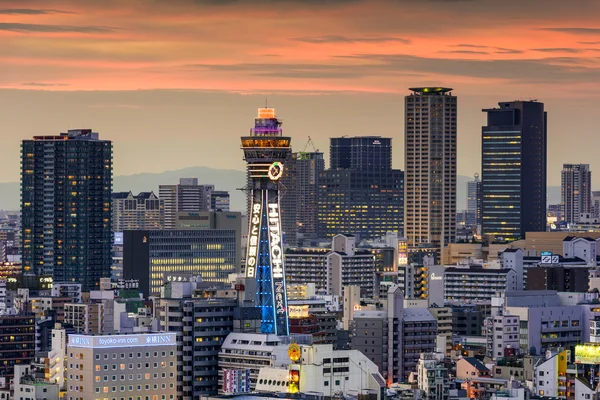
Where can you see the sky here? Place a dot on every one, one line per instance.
(176, 83)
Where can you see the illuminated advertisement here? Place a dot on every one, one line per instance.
(298, 311)
(110, 341)
(253, 241)
(402, 252)
(587, 354)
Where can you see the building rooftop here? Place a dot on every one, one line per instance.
(477, 364)
(417, 314)
(430, 90)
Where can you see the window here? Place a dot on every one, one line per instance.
(541, 383)
(326, 383)
(541, 373)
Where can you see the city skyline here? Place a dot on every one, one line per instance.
(340, 73)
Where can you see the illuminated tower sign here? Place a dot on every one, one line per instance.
(265, 152)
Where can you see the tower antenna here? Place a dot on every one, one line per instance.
(266, 102)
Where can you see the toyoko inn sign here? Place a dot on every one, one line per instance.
(110, 341)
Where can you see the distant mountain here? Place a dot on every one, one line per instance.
(223, 179)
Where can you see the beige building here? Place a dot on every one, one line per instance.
(135, 366)
(430, 167)
(86, 318)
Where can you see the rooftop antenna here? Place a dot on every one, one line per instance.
(266, 102)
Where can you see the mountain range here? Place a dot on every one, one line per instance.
(223, 179)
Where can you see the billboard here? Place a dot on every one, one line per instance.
(587, 354)
(236, 381)
(129, 340)
(298, 311)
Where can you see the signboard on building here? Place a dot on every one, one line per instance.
(298, 311)
(546, 257)
(587, 354)
(112, 341)
(128, 284)
(236, 381)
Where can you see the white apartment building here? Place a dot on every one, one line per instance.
(476, 284)
(28, 387)
(138, 366)
(502, 333)
(432, 377)
(332, 269)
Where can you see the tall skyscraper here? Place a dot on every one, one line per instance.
(66, 184)
(265, 151)
(513, 166)
(299, 202)
(188, 195)
(363, 195)
(474, 201)
(430, 160)
(576, 191)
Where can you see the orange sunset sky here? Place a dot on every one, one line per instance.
(175, 82)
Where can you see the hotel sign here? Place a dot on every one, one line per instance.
(253, 240)
(115, 341)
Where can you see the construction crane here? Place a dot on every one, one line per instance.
(312, 145)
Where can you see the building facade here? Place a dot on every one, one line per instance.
(159, 256)
(576, 191)
(362, 196)
(219, 201)
(332, 269)
(201, 326)
(144, 211)
(474, 201)
(66, 185)
(430, 167)
(477, 284)
(513, 166)
(19, 346)
(188, 195)
(136, 365)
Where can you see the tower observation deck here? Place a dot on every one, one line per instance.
(265, 151)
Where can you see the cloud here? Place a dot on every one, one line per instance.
(40, 28)
(574, 31)
(31, 11)
(558, 50)
(43, 84)
(495, 50)
(588, 42)
(346, 39)
(464, 52)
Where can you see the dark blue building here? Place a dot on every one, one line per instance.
(66, 185)
(513, 166)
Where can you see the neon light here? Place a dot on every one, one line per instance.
(253, 241)
(275, 171)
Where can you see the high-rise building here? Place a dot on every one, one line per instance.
(66, 184)
(363, 195)
(576, 191)
(144, 211)
(513, 170)
(595, 204)
(430, 167)
(160, 256)
(188, 195)
(265, 152)
(474, 201)
(199, 338)
(19, 348)
(219, 200)
(299, 202)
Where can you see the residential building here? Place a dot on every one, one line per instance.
(474, 201)
(187, 196)
(467, 320)
(475, 284)
(419, 335)
(559, 278)
(332, 269)
(595, 206)
(144, 211)
(67, 289)
(551, 375)
(362, 197)
(430, 167)
(66, 184)
(27, 386)
(513, 170)
(159, 256)
(122, 366)
(432, 377)
(219, 201)
(444, 319)
(86, 318)
(201, 325)
(19, 346)
(502, 335)
(576, 191)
